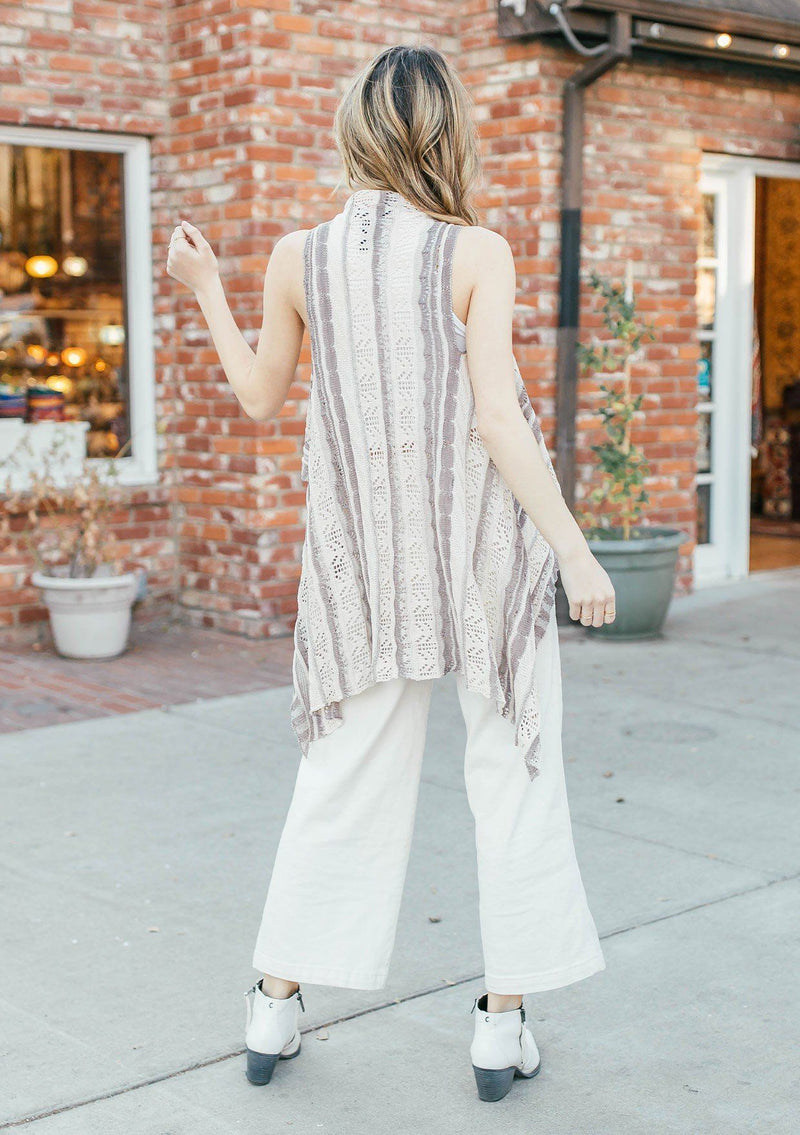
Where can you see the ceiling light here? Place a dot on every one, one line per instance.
(75, 265)
(723, 40)
(73, 356)
(40, 267)
(780, 50)
(62, 383)
(112, 335)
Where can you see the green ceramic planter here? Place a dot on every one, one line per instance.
(642, 571)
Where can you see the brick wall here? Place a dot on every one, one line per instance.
(253, 91)
(99, 66)
(648, 123)
(238, 99)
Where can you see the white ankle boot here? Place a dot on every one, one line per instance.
(271, 1033)
(502, 1048)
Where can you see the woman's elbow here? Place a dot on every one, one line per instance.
(259, 403)
(259, 411)
(492, 427)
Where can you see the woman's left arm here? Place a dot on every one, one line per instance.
(260, 379)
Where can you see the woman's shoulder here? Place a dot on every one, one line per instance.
(481, 254)
(291, 245)
(481, 257)
(481, 242)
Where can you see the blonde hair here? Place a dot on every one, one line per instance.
(405, 124)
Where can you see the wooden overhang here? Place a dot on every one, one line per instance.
(760, 32)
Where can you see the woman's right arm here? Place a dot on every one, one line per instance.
(486, 258)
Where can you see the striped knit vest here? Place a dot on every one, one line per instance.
(418, 559)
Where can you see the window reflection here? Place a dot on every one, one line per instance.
(706, 318)
(703, 514)
(704, 442)
(62, 294)
(707, 241)
(706, 297)
(705, 371)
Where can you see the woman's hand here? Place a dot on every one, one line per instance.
(588, 588)
(191, 259)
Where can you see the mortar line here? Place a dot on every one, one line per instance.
(24, 1120)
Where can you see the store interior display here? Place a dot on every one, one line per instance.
(62, 291)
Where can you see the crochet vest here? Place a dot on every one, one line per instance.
(418, 559)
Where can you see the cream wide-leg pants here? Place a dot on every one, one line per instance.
(332, 905)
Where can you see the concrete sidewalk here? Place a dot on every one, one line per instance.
(137, 851)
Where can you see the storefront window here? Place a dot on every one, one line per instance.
(63, 336)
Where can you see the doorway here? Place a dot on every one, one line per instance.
(748, 302)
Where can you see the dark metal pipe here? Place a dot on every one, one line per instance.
(619, 47)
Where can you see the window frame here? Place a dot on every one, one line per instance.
(141, 467)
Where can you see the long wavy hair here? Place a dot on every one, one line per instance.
(405, 124)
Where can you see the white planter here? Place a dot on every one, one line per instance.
(90, 618)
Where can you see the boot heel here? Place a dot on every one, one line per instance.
(260, 1066)
(493, 1083)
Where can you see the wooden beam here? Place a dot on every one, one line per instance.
(712, 19)
(589, 16)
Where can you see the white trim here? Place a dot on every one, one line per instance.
(757, 167)
(142, 467)
(732, 179)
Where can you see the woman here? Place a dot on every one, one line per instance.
(436, 528)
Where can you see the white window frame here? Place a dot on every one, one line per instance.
(733, 180)
(141, 467)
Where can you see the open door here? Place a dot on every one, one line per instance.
(748, 386)
(775, 433)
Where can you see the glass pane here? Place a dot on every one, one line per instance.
(706, 297)
(62, 291)
(704, 371)
(704, 443)
(703, 514)
(707, 241)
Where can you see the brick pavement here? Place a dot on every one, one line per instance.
(167, 663)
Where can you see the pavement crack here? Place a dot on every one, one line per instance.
(165, 1076)
(772, 876)
(197, 719)
(699, 906)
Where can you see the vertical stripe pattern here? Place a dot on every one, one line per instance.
(418, 559)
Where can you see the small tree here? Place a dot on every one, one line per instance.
(622, 464)
(66, 516)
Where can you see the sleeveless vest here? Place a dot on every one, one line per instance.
(418, 559)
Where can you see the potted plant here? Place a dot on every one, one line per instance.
(65, 518)
(639, 558)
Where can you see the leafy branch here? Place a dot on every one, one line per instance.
(622, 464)
(67, 516)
